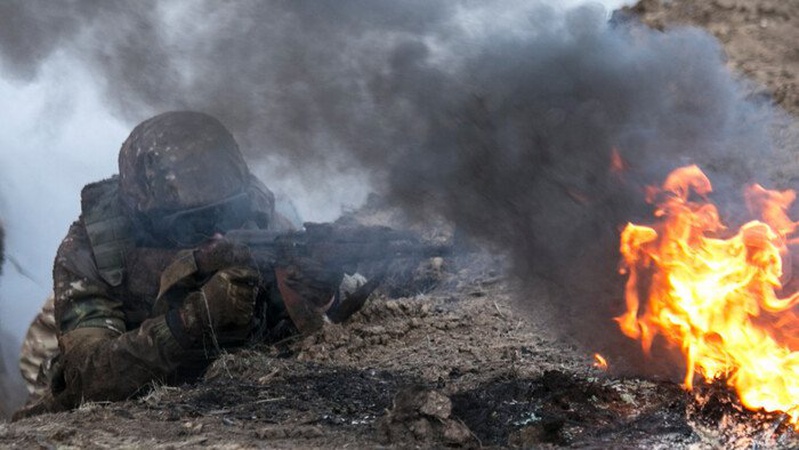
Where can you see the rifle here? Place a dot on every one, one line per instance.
(336, 248)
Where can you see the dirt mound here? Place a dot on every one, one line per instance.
(759, 36)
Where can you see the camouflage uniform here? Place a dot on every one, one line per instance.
(112, 337)
(39, 349)
(116, 293)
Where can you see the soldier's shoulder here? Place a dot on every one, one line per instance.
(103, 193)
(107, 227)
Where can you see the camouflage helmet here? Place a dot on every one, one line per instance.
(180, 160)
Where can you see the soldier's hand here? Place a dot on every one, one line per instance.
(220, 253)
(225, 304)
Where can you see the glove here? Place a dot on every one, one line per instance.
(221, 253)
(225, 304)
(181, 276)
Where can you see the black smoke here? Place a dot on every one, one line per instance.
(504, 127)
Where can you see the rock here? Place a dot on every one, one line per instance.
(423, 416)
(726, 4)
(436, 405)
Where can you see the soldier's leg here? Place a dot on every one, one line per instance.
(39, 349)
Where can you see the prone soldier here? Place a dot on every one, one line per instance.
(146, 286)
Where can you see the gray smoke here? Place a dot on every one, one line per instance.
(2, 246)
(505, 128)
(288, 77)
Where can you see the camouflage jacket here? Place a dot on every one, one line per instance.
(112, 338)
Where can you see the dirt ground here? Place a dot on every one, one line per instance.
(759, 37)
(456, 364)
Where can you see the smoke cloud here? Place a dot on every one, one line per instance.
(500, 118)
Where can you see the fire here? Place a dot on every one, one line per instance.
(713, 293)
(600, 362)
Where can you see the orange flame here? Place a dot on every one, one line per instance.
(714, 298)
(600, 362)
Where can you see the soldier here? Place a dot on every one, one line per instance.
(145, 286)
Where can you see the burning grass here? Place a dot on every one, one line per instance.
(713, 294)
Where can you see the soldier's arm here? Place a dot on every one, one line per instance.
(100, 358)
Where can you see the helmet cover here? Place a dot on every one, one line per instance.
(180, 160)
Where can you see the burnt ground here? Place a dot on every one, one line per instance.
(458, 364)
